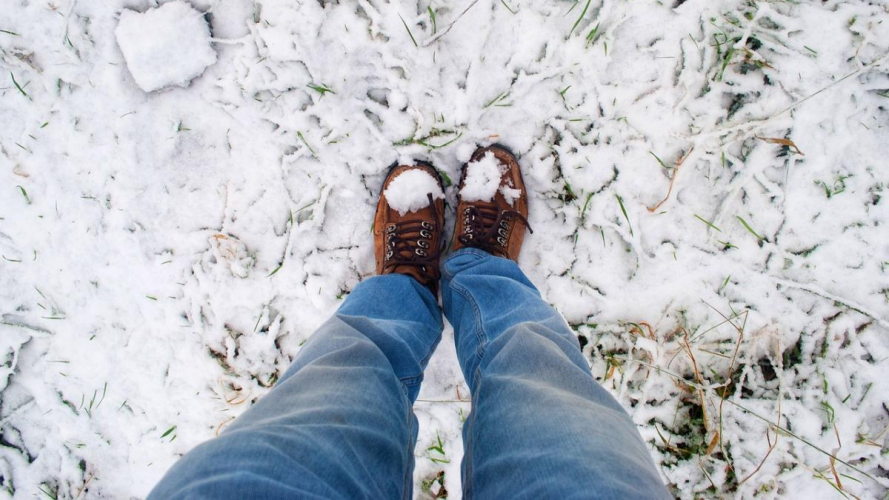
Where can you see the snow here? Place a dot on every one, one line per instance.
(167, 45)
(483, 179)
(164, 255)
(409, 191)
(510, 194)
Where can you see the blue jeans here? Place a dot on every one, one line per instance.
(339, 423)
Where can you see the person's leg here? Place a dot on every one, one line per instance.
(339, 423)
(541, 427)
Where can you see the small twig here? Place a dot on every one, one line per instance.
(805, 441)
(672, 179)
(771, 446)
(700, 380)
(222, 424)
(833, 469)
(83, 486)
(728, 378)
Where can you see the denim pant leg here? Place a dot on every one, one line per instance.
(541, 427)
(339, 423)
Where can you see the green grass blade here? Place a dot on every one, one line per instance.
(25, 194)
(22, 90)
(408, 31)
(620, 201)
(725, 62)
(431, 18)
(591, 36)
(300, 135)
(499, 97)
(507, 7)
(580, 18)
(586, 204)
(747, 226)
(276, 270)
(321, 89)
(659, 160)
(705, 221)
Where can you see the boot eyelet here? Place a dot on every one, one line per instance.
(389, 255)
(426, 224)
(465, 211)
(504, 224)
(420, 252)
(426, 234)
(502, 232)
(422, 243)
(502, 241)
(391, 228)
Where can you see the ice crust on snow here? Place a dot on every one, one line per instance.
(165, 46)
(409, 190)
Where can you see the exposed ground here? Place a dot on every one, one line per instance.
(708, 183)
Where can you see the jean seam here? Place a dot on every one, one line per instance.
(468, 481)
(407, 485)
(480, 333)
(412, 380)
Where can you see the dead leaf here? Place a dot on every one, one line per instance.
(713, 443)
(833, 469)
(783, 142)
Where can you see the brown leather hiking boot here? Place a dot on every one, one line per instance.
(410, 242)
(496, 222)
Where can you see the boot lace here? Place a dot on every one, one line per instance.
(408, 244)
(487, 227)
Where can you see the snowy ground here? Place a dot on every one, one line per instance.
(707, 178)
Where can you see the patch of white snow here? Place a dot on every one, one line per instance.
(483, 179)
(510, 193)
(168, 45)
(408, 191)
